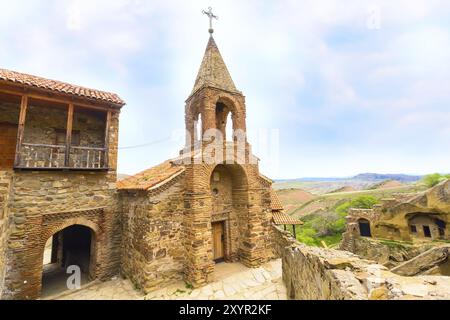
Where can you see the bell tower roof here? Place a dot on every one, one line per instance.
(213, 70)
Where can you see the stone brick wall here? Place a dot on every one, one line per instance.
(152, 250)
(5, 185)
(312, 273)
(44, 202)
(9, 112)
(35, 195)
(43, 122)
(251, 204)
(204, 102)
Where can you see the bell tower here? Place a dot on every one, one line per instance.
(213, 100)
(223, 188)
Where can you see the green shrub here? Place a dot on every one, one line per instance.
(431, 180)
(329, 226)
(306, 235)
(361, 202)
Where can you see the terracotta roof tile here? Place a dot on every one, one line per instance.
(58, 86)
(275, 202)
(152, 177)
(213, 72)
(281, 218)
(265, 178)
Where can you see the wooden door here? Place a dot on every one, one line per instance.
(218, 240)
(8, 138)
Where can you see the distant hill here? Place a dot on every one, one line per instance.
(404, 178)
(362, 176)
(332, 184)
(329, 201)
(386, 185)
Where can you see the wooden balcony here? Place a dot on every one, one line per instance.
(67, 153)
(53, 157)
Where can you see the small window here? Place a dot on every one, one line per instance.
(413, 229)
(60, 139)
(427, 231)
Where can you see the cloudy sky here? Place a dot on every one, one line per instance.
(347, 86)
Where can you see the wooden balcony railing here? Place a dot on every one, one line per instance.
(87, 157)
(45, 156)
(48, 157)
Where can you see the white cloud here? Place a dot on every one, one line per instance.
(300, 63)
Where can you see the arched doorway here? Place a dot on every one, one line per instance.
(229, 195)
(72, 246)
(364, 228)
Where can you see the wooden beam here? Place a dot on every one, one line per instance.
(107, 125)
(32, 94)
(68, 134)
(21, 128)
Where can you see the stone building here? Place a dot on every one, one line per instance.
(60, 204)
(417, 218)
(58, 155)
(206, 206)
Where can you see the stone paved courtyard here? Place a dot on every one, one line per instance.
(233, 281)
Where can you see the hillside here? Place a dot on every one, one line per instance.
(344, 189)
(386, 185)
(324, 216)
(329, 201)
(292, 198)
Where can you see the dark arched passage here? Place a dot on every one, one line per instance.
(71, 246)
(364, 227)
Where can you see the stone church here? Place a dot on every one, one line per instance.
(185, 214)
(60, 204)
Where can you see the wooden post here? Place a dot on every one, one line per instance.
(284, 227)
(68, 135)
(107, 125)
(295, 234)
(21, 129)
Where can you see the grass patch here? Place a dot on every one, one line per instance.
(441, 241)
(331, 241)
(395, 244)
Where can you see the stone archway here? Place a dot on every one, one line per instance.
(71, 243)
(229, 210)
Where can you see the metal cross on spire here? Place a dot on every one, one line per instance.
(211, 16)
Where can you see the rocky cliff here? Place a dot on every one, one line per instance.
(311, 273)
